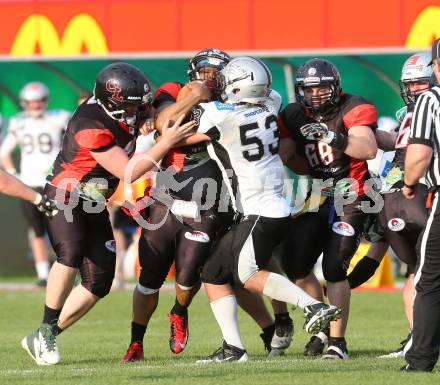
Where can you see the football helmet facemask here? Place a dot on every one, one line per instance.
(124, 93)
(314, 73)
(244, 79)
(415, 70)
(207, 58)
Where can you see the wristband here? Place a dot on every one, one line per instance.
(410, 186)
(38, 199)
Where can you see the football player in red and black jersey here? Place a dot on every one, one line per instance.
(188, 241)
(97, 152)
(334, 133)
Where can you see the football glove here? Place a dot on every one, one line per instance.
(321, 133)
(47, 206)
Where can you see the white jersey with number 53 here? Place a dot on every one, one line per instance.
(245, 144)
(39, 140)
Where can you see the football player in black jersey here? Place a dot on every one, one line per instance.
(97, 152)
(334, 133)
(187, 242)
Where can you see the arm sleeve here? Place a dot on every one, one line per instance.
(95, 139)
(422, 123)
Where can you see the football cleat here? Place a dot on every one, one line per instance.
(400, 352)
(42, 346)
(135, 352)
(316, 344)
(318, 317)
(336, 351)
(179, 332)
(226, 353)
(282, 337)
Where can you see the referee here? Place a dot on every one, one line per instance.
(422, 159)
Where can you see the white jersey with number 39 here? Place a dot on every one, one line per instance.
(39, 140)
(245, 144)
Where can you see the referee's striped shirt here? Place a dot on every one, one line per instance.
(425, 129)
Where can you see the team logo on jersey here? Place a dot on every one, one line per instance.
(198, 236)
(111, 245)
(197, 113)
(343, 228)
(396, 224)
(223, 106)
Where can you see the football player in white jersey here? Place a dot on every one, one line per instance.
(243, 139)
(38, 134)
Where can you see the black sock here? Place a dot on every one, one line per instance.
(51, 315)
(282, 318)
(362, 272)
(179, 309)
(337, 341)
(268, 331)
(58, 330)
(137, 332)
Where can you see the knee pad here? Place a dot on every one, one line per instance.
(335, 274)
(150, 280)
(102, 287)
(69, 254)
(145, 290)
(185, 288)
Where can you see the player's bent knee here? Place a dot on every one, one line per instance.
(102, 287)
(185, 288)
(335, 275)
(145, 290)
(151, 280)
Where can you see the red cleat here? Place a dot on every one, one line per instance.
(134, 353)
(178, 332)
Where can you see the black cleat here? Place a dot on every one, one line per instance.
(318, 317)
(226, 353)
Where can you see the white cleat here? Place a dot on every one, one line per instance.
(41, 345)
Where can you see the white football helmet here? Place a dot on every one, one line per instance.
(34, 91)
(244, 79)
(415, 69)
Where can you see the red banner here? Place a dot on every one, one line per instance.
(72, 27)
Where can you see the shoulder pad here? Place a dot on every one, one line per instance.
(171, 88)
(223, 106)
(400, 114)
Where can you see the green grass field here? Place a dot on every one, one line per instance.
(91, 350)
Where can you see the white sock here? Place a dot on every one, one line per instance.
(42, 269)
(280, 288)
(225, 312)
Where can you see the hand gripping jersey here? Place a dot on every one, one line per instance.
(90, 129)
(245, 144)
(326, 162)
(190, 163)
(39, 140)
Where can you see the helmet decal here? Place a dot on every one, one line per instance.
(113, 87)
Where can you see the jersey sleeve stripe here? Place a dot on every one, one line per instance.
(361, 115)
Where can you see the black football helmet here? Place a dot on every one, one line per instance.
(121, 86)
(209, 57)
(317, 72)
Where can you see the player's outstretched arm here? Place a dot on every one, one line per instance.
(116, 161)
(291, 158)
(15, 188)
(198, 93)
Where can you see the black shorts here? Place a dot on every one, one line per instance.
(245, 249)
(323, 232)
(84, 241)
(35, 219)
(402, 221)
(186, 243)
